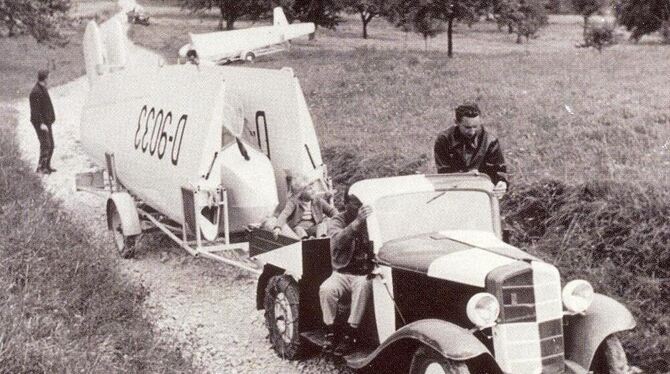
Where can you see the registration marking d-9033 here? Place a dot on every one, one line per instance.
(155, 141)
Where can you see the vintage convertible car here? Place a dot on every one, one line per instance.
(449, 295)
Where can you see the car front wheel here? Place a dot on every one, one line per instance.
(428, 361)
(611, 358)
(281, 315)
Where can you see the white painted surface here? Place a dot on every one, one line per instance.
(469, 267)
(231, 44)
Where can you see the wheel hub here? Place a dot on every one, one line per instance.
(284, 317)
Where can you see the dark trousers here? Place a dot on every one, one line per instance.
(46, 139)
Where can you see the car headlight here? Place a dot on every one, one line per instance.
(577, 296)
(483, 310)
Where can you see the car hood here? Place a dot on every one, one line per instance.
(460, 255)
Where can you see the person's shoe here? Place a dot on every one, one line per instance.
(42, 170)
(51, 170)
(347, 344)
(329, 340)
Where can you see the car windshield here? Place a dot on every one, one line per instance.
(426, 212)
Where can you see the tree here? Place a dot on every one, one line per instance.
(642, 17)
(230, 10)
(40, 18)
(587, 7)
(322, 12)
(454, 10)
(531, 16)
(367, 9)
(428, 23)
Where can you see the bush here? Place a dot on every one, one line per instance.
(599, 36)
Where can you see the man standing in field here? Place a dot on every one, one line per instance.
(467, 146)
(351, 259)
(42, 117)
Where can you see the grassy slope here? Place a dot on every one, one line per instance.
(63, 307)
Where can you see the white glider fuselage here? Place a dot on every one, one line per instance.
(225, 46)
(176, 126)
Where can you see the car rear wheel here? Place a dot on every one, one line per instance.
(427, 361)
(125, 245)
(610, 358)
(281, 315)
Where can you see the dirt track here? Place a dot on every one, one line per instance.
(207, 308)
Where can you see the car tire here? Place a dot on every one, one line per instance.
(428, 361)
(249, 57)
(281, 316)
(610, 358)
(125, 245)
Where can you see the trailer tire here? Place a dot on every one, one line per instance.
(281, 316)
(610, 358)
(125, 244)
(428, 361)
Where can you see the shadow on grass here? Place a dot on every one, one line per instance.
(64, 308)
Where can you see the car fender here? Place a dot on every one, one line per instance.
(451, 341)
(584, 333)
(125, 205)
(269, 271)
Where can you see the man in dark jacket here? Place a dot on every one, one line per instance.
(467, 146)
(351, 259)
(42, 117)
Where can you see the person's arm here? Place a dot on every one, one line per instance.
(494, 163)
(441, 151)
(283, 217)
(328, 210)
(341, 235)
(36, 108)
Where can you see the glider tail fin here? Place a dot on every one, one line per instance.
(279, 19)
(104, 49)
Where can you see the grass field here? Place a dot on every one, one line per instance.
(64, 308)
(586, 136)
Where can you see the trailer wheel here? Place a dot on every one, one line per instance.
(427, 361)
(610, 358)
(124, 244)
(281, 315)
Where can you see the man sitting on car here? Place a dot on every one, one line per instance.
(351, 259)
(467, 146)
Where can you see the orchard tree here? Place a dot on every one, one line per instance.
(367, 9)
(40, 18)
(428, 23)
(322, 13)
(642, 17)
(230, 10)
(587, 8)
(531, 17)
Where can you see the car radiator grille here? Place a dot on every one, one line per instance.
(529, 335)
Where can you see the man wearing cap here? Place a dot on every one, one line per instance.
(42, 117)
(467, 146)
(351, 259)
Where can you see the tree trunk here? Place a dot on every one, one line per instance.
(586, 25)
(518, 38)
(365, 25)
(450, 32)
